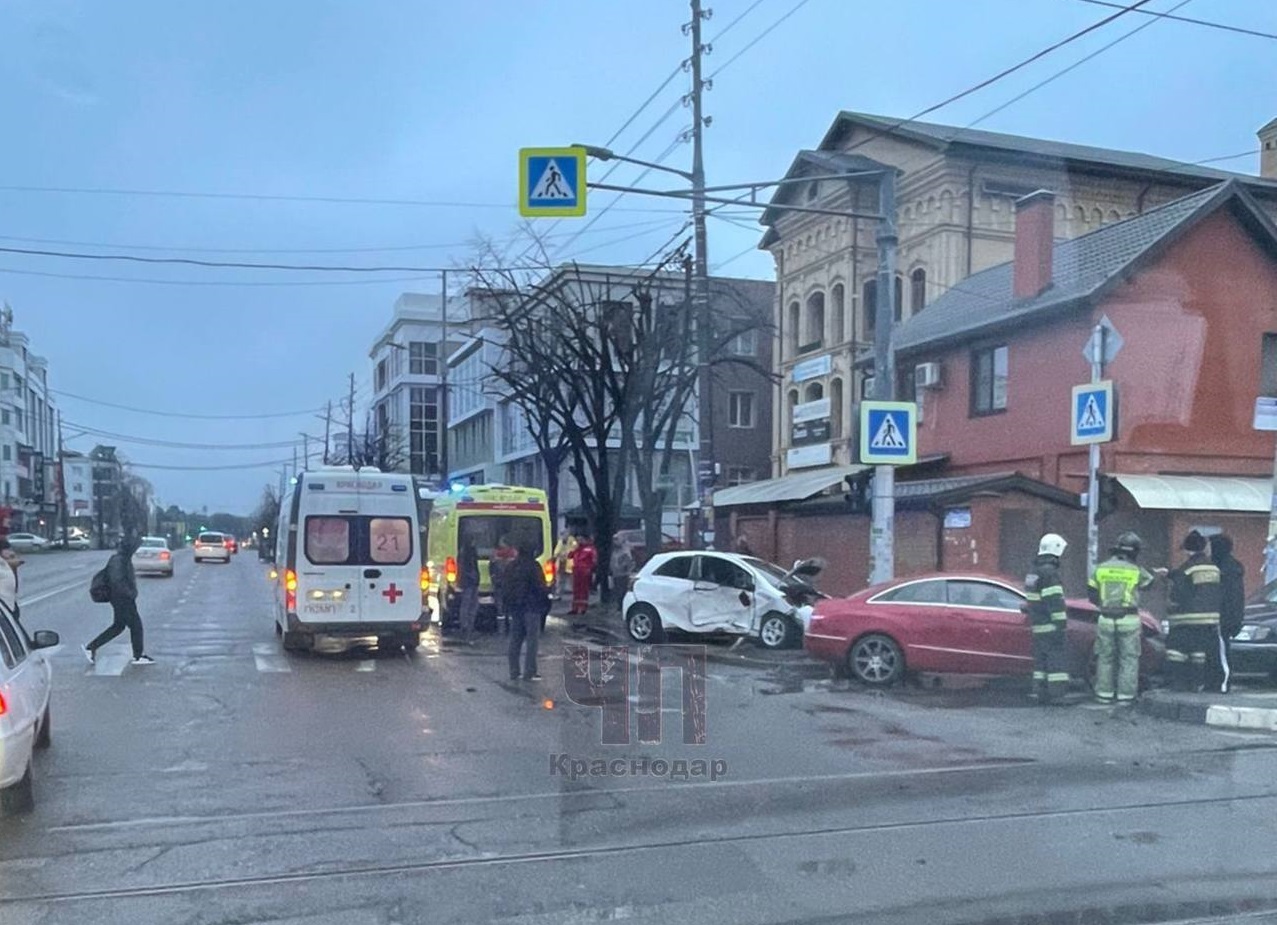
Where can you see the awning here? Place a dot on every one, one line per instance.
(796, 487)
(1199, 493)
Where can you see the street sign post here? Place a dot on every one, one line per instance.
(552, 182)
(1092, 415)
(888, 433)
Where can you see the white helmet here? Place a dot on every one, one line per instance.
(1052, 545)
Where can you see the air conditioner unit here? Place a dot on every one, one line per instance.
(927, 376)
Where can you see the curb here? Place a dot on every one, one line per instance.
(1225, 715)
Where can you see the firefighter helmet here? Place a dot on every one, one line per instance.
(1052, 544)
(1129, 542)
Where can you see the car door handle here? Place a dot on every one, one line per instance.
(704, 586)
(372, 573)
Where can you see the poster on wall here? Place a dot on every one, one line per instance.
(957, 518)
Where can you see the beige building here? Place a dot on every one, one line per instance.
(955, 196)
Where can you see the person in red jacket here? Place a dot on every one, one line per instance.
(584, 559)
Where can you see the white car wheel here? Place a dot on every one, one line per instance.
(644, 624)
(776, 632)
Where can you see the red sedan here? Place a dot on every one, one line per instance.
(948, 624)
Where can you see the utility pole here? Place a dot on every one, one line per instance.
(62, 483)
(328, 424)
(305, 451)
(882, 532)
(350, 424)
(708, 461)
(443, 386)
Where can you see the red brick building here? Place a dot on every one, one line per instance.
(1190, 287)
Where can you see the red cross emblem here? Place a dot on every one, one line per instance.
(393, 593)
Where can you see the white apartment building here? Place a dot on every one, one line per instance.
(408, 371)
(28, 431)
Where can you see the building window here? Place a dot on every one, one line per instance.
(381, 376)
(899, 298)
(4, 380)
(739, 475)
(869, 308)
(815, 333)
(793, 401)
(989, 380)
(423, 431)
(8, 453)
(813, 190)
(917, 290)
(5, 417)
(20, 419)
(1267, 368)
(423, 358)
(838, 297)
(745, 344)
(835, 408)
(815, 392)
(793, 328)
(741, 409)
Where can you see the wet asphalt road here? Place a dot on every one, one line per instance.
(231, 783)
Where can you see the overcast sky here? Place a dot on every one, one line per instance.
(429, 101)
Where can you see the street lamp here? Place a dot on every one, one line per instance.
(607, 154)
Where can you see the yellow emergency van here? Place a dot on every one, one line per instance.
(487, 514)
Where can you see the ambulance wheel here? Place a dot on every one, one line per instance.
(298, 642)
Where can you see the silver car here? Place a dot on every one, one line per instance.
(153, 557)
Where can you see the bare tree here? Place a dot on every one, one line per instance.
(382, 449)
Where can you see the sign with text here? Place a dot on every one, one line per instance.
(803, 457)
(812, 410)
(806, 432)
(813, 368)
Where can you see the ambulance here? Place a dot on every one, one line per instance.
(348, 559)
(487, 514)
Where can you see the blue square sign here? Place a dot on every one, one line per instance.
(552, 182)
(888, 432)
(1091, 413)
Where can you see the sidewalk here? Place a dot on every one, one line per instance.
(1238, 710)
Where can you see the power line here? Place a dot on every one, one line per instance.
(1197, 22)
(1228, 157)
(89, 277)
(179, 445)
(299, 250)
(732, 259)
(270, 464)
(1074, 66)
(266, 197)
(180, 414)
(758, 38)
(878, 133)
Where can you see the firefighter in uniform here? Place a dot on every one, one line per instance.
(1193, 616)
(1048, 618)
(1115, 587)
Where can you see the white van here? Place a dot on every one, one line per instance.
(348, 559)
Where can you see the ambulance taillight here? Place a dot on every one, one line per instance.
(450, 570)
(549, 572)
(290, 591)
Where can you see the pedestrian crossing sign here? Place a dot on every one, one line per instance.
(889, 432)
(552, 182)
(1092, 413)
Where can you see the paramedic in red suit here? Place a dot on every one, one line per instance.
(584, 560)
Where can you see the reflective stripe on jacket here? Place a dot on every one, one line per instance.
(1195, 593)
(1115, 587)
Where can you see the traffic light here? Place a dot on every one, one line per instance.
(859, 492)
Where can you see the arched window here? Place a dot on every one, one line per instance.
(793, 400)
(839, 332)
(814, 335)
(815, 392)
(917, 290)
(869, 307)
(900, 297)
(791, 334)
(835, 407)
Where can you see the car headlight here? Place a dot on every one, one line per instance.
(1251, 632)
(1166, 627)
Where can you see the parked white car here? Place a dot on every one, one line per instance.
(25, 681)
(27, 542)
(718, 592)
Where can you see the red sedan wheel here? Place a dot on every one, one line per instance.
(876, 660)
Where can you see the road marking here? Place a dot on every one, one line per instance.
(54, 593)
(366, 665)
(269, 659)
(111, 664)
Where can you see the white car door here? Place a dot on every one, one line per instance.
(668, 588)
(30, 674)
(722, 596)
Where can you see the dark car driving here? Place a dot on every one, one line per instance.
(1254, 648)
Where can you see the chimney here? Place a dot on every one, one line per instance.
(1034, 243)
(1268, 150)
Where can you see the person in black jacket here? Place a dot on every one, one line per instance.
(1048, 620)
(1193, 616)
(527, 598)
(468, 585)
(1232, 608)
(123, 584)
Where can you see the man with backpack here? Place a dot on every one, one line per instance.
(116, 584)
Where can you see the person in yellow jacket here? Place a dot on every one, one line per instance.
(1115, 587)
(563, 559)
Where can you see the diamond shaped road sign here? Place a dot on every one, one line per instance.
(1113, 342)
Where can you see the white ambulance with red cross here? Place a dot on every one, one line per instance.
(348, 562)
